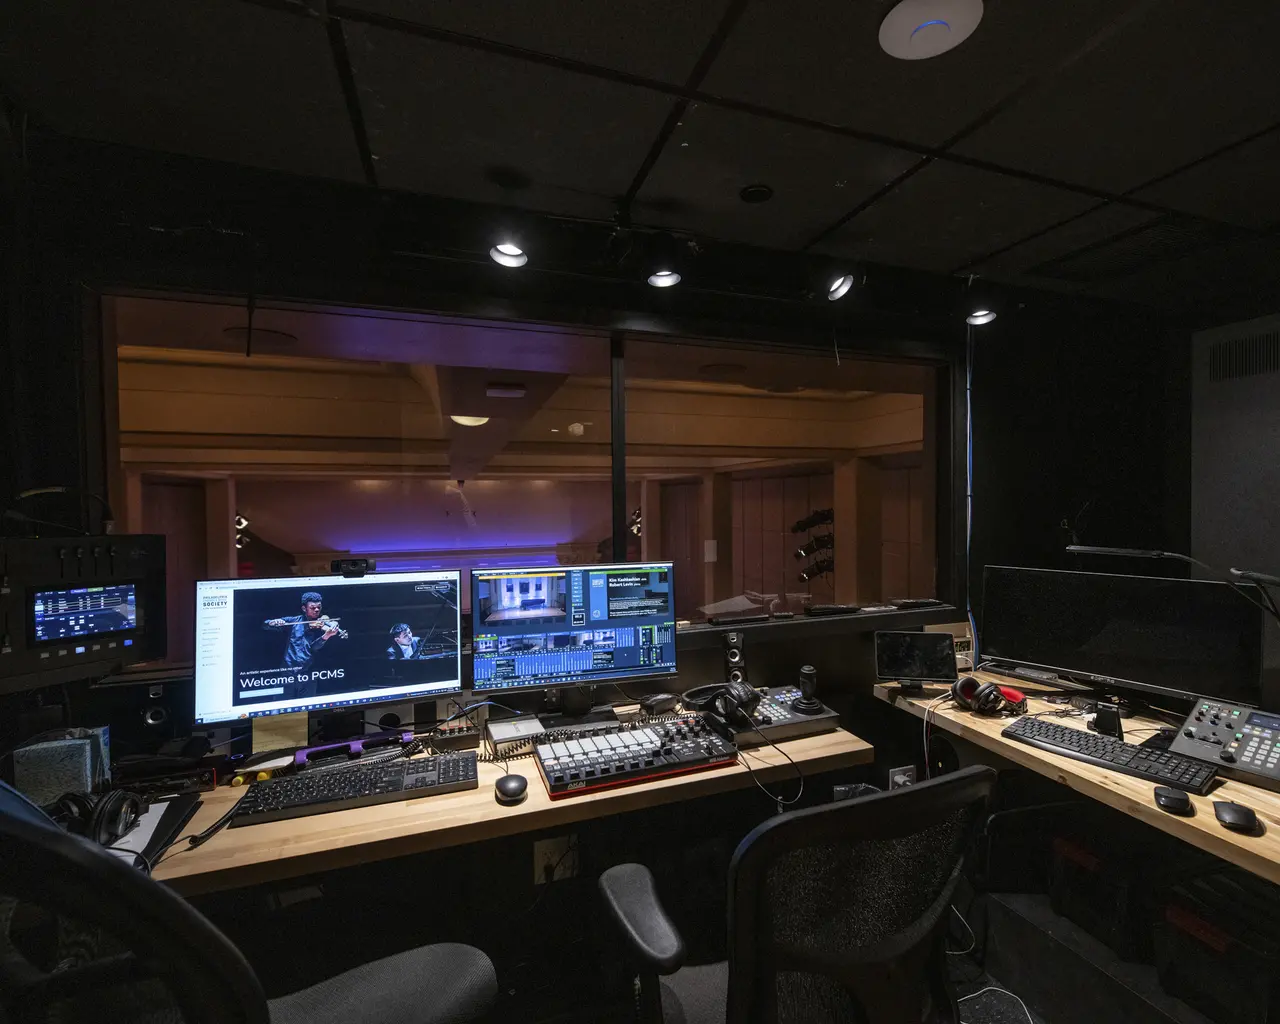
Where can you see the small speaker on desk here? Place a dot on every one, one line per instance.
(735, 659)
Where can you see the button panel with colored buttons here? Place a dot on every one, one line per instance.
(1242, 741)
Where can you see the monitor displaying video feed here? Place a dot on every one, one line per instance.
(574, 625)
(275, 646)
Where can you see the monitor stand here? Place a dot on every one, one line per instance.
(577, 708)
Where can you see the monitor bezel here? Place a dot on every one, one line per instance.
(618, 681)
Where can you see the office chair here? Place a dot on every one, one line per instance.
(86, 936)
(836, 913)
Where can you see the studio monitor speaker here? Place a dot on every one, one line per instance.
(735, 659)
(143, 710)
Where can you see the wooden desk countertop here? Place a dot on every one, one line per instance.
(1130, 795)
(286, 849)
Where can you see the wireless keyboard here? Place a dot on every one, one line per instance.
(337, 789)
(1162, 767)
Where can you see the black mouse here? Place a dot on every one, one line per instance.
(1175, 801)
(1236, 817)
(511, 789)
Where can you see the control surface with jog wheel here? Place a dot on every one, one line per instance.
(1241, 742)
(614, 754)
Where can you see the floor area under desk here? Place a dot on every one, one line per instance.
(556, 957)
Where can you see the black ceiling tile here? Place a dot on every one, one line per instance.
(1162, 241)
(822, 59)
(1246, 271)
(453, 122)
(1078, 231)
(816, 178)
(209, 78)
(948, 214)
(1239, 187)
(660, 39)
(1168, 89)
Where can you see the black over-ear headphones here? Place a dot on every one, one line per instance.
(733, 701)
(102, 819)
(987, 698)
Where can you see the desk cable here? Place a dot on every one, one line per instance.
(1004, 991)
(781, 802)
(925, 729)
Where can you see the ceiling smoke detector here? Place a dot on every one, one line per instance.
(918, 29)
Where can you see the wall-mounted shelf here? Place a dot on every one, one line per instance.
(705, 635)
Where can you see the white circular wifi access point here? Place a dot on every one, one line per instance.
(917, 29)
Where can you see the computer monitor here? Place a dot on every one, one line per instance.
(906, 657)
(274, 646)
(545, 627)
(1178, 637)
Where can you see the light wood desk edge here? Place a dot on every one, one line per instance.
(1127, 794)
(287, 849)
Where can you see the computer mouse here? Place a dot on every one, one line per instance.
(1175, 801)
(511, 789)
(1236, 817)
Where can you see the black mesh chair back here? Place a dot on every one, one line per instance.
(839, 913)
(86, 936)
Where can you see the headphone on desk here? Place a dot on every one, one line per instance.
(987, 698)
(733, 701)
(101, 819)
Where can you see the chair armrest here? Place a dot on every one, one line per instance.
(631, 898)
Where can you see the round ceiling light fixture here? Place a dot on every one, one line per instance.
(980, 316)
(470, 421)
(508, 254)
(756, 194)
(839, 288)
(664, 278)
(919, 29)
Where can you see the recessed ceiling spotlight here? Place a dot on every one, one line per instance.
(980, 316)
(839, 288)
(918, 29)
(470, 421)
(756, 194)
(664, 278)
(508, 254)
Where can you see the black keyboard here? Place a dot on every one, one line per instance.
(1162, 767)
(337, 789)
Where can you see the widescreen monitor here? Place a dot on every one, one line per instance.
(545, 627)
(274, 646)
(1179, 637)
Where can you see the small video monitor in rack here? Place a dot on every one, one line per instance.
(573, 625)
(274, 646)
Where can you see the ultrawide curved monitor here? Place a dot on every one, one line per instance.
(275, 646)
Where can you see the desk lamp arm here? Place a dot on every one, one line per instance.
(1260, 580)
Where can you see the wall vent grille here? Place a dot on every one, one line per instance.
(1250, 356)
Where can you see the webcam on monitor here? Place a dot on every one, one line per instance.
(352, 568)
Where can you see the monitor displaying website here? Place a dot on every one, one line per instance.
(274, 646)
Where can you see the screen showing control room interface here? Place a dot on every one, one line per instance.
(577, 624)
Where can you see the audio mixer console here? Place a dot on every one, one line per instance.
(616, 754)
